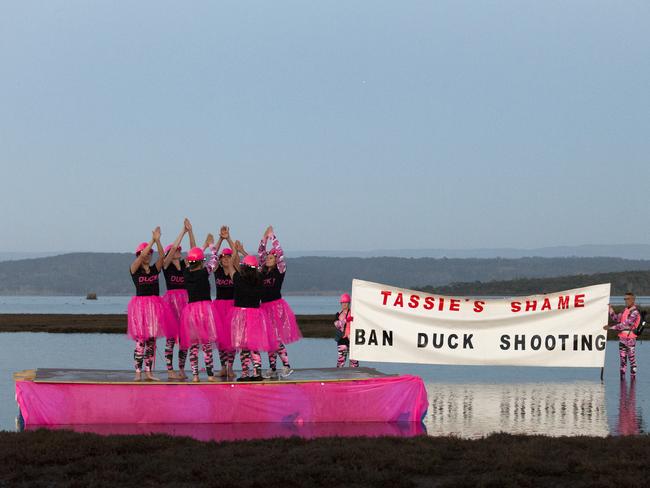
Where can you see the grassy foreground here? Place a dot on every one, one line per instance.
(62, 458)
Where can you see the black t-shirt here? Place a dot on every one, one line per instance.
(272, 283)
(246, 295)
(146, 284)
(197, 284)
(225, 286)
(174, 277)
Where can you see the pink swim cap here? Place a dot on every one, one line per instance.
(169, 248)
(345, 298)
(226, 252)
(250, 260)
(141, 247)
(195, 254)
(274, 251)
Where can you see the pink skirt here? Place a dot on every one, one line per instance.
(177, 301)
(283, 326)
(199, 324)
(149, 317)
(224, 311)
(250, 330)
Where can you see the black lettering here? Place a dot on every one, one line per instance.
(467, 341)
(505, 342)
(387, 338)
(437, 344)
(535, 342)
(372, 340)
(452, 345)
(587, 343)
(550, 342)
(563, 338)
(360, 337)
(520, 340)
(601, 340)
(423, 339)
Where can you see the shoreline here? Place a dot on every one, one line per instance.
(312, 326)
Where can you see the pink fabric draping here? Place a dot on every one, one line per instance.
(390, 399)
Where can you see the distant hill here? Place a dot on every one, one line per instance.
(638, 282)
(625, 251)
(108, 273)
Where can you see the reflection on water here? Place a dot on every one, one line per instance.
(629, 419)
(233, 432)
(555, 409)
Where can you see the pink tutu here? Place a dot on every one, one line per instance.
(250, 330)
(224, 311)
(149, 317)
(177, 301)
(199, 324)
(282, 322)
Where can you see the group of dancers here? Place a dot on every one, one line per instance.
(248, 316)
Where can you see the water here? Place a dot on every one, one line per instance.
(303, 305)
(468, 401)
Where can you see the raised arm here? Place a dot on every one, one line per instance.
(209, 241)
(261, 250)
(161, 251)
(170, 255)
(137, 262)
(190, 231)
(235, 258)
(279, 254)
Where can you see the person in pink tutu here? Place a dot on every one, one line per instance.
(148, 315)
(249, 330)
(199, 318)
(283, 327)
(176, 298)
(225, 302)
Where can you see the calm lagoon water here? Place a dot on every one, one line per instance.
(467, 401)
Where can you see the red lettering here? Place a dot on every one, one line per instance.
(531, 305)
(399, 301)
(478, 305)
(563, 302)
(441, 303)
(428, 303)
(454, 305)
(414, 301)
(579, 301)
(546, 305)
(386, 295)
(515, 306)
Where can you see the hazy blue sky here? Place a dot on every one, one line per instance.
(346, 124)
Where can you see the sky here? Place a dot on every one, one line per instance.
(345, 124)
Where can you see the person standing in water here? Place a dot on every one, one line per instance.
(626, 323)
(225, 302)
(199, 319)
(281, 320)
(249, 328)
(147, 314)
(176, 298)
(342, 324)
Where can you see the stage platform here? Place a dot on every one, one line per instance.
(330, 395)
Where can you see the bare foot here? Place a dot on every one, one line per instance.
(138, 376)
(195, 378)
(171, 375)
(213, 379)
(181, 374)
(222, 373)
(151, 377)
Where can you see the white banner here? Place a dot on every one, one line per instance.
(405, 326)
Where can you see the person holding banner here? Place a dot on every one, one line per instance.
(626, 323)
(342, 324)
